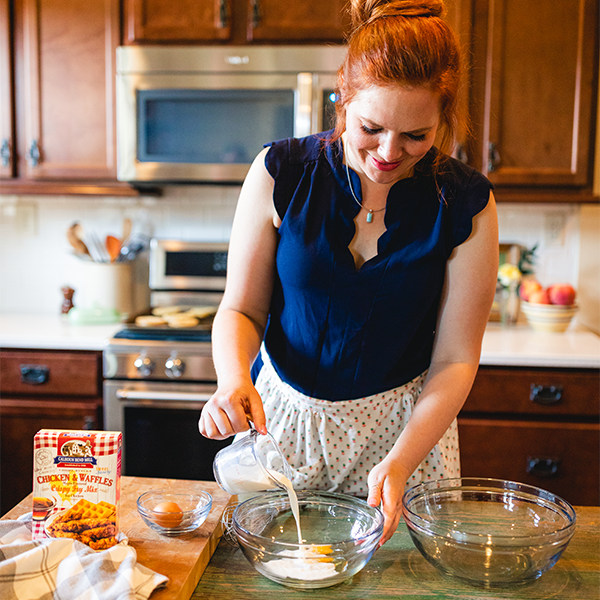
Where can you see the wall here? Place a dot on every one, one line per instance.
(36, 260)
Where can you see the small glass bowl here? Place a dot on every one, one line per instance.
(340, 534)
(194, 507)
(488, 532)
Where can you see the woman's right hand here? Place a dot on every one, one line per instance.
(230, 409)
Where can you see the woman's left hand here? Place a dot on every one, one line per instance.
(386, 487)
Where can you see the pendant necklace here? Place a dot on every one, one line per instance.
(370, 210)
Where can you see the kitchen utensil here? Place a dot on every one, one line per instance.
(127, 225)
(248, 463)
(76, 242)
(194, 510)
(132, 247)
(113, 247)
(340, 534)
(488, 532)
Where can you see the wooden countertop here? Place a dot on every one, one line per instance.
(182, 558)
(397, 570)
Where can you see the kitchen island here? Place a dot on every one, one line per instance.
(397, 570)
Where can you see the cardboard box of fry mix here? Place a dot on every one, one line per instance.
(77, 485)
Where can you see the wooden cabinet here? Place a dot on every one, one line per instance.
(534, 83)
(537, 426)
(57, 105)
(42, 389)
(233, 21)
(6, 96)
(65, 51)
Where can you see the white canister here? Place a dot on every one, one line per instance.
(106, 286)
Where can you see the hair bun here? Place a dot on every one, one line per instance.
(363, 12)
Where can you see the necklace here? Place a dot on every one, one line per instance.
(371, 211)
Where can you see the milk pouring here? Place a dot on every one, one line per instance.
(254, 463)
(249, 465)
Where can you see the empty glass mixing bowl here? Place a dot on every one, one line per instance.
(339, 536)
(488, 532)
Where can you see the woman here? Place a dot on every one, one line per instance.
(364, 261)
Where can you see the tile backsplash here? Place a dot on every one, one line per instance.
(36, 261)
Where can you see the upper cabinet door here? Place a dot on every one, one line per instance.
(6, 112)
(304, 20)
(66, 63)
(534, 71)
(148, 21)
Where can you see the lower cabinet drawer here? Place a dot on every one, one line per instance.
(562, 458)
(50, 373)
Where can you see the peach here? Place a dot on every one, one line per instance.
(539, 297)
(562, 293)
(527, 287)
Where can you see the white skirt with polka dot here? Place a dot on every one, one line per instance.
(332, 446)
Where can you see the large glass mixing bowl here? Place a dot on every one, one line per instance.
(339, 536)
(488, 532)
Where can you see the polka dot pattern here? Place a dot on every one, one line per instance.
(333, 445)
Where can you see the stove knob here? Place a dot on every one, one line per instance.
(144, 365)
(174, 367)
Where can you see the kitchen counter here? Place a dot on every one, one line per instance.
(508, 346)
(52, 333)
(397, 570)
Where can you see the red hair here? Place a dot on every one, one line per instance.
(402, 42)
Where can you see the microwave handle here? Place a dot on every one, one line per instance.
(147, 395)
(304, 103)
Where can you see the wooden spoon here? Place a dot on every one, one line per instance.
(75, 241)
(126, 229)
(113, 245)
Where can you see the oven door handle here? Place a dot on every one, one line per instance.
(147, 395)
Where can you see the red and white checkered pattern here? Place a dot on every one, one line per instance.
(105, 442)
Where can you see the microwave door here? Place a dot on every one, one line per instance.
(205, 127)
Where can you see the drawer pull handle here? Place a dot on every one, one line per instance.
(542, 467)
(34, 374)
(545, 394)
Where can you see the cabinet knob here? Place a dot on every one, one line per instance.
(223, 14)
(5, 153)
(541, 394)
(493, 157)
(256, 16)
(34, 154)
(34, 374)
(542, 467)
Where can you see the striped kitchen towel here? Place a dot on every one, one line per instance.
(65, 569)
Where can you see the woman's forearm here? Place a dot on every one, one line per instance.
(236, 341)
(445, 390)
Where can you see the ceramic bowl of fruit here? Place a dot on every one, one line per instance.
(548, 309)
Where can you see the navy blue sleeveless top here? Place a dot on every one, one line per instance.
(338, 333)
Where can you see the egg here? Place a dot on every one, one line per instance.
(168, 514)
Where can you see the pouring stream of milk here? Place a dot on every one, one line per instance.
(289, 566)
(287, 484)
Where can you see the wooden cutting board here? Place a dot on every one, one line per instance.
(183, 558)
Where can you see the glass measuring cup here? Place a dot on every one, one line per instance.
(253, 463)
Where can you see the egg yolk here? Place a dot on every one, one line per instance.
(168, 514)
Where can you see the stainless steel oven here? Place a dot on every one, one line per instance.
(158, 379)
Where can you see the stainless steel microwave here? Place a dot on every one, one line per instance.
(202, 113)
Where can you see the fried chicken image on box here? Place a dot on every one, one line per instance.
(92, 524)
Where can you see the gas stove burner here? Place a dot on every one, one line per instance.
(163, 334)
